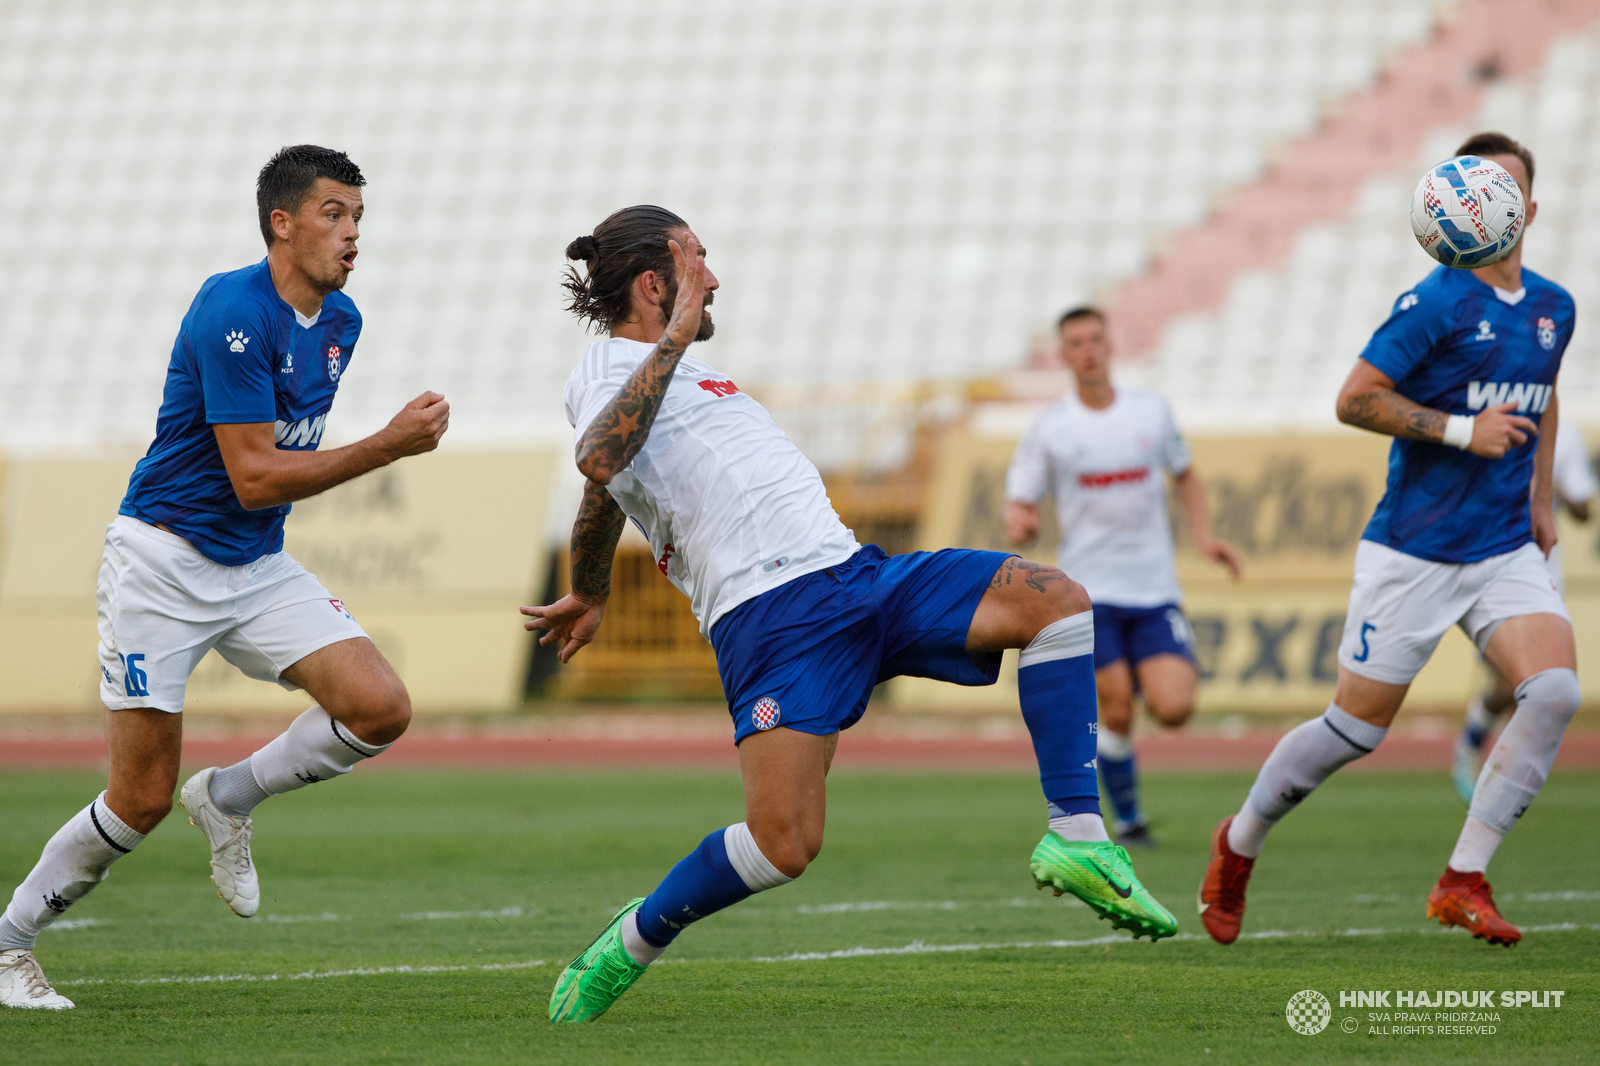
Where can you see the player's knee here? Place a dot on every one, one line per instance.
(381, 713)
(1069, 598)
(142, 810)
(1172, 713)
(791, 852)
(1552, 692)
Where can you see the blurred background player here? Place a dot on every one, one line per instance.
(1459, 538)
(195, 561)
(804, 620)
(1101, 451)
(1573, 489)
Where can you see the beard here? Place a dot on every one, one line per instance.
(707, 329)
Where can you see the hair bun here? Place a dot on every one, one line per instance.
(585, 248)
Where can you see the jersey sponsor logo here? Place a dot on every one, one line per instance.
(306, 433)
(765, 714)
(134, 680)
(338, 605)
(236, 340)
(721, 388)
(666, 556)
(1485, 331)
(333, 363)
(1545, 330)
(1407, 302)
(1527, 395)
(1113, 477)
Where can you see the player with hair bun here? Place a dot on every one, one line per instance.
(804, 620)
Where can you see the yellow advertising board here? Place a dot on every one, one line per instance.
(433, 555)
(1295, 507)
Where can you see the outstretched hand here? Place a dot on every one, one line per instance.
(689, 270)
(568, 624)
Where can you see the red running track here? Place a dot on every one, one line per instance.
(865, 751)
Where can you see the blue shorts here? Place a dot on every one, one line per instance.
(807, 654)
(1137, 633)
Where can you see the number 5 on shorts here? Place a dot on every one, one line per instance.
(1366, 627)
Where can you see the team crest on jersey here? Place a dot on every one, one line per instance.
(333, 363)
(765, 714)
(338, 605)
(1547, 333)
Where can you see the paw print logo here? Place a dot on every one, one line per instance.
(1408, 301)
(236, 340)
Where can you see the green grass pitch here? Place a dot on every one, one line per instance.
(498, 879)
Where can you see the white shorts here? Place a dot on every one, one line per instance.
(1401, 605)
(163, 605)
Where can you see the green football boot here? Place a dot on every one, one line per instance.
(1099, 873)
(593, 981)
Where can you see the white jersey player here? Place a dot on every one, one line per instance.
(1104, 453)
(805, 621)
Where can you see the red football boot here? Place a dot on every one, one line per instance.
(1468, 901)
(1222, 892)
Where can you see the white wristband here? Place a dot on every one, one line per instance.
(1458, 431)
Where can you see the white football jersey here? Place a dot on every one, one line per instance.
(1105, 470)
(730, 506)
(1574, 482)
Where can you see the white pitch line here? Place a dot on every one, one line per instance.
(914, 948)
(308, 975)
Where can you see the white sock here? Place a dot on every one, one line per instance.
(74, 860)
(1306, 756)
(639, 949)
(1247, 832)
(314, 748)
(1520, 761)
(1475, 847)
(1113, 745)
(1079, 827)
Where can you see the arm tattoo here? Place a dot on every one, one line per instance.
(1386, 411)
(594, 542)
(621, 427)
(1033, 575)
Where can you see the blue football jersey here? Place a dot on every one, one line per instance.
(242, 355)
(1453, 345)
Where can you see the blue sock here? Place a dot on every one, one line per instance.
(1056, 683)
(1121, 779)
(702, 883)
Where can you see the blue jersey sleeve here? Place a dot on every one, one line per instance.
(1420, 322)
(234, 355)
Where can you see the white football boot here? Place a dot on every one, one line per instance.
(22, 983)
(232, 870)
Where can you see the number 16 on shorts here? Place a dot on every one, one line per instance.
(134, 680)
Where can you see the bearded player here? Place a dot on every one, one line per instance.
(1101, 451)
(804, 620)
(1463, 376)
(195, 561)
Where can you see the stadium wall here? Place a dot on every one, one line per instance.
(435, 554)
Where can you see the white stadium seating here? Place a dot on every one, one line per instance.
(1275, 354)
(893, 191)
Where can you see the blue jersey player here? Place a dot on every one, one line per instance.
(195, 560)
(804, 620)
(1463, 376)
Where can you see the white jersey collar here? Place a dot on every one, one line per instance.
(1512, 298)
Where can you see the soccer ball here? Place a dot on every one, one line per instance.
(1467, 212)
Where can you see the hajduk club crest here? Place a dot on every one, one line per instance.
(1547, 333)
(765, 714)
(333, 363)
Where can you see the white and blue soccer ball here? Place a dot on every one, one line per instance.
(1467, 212)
